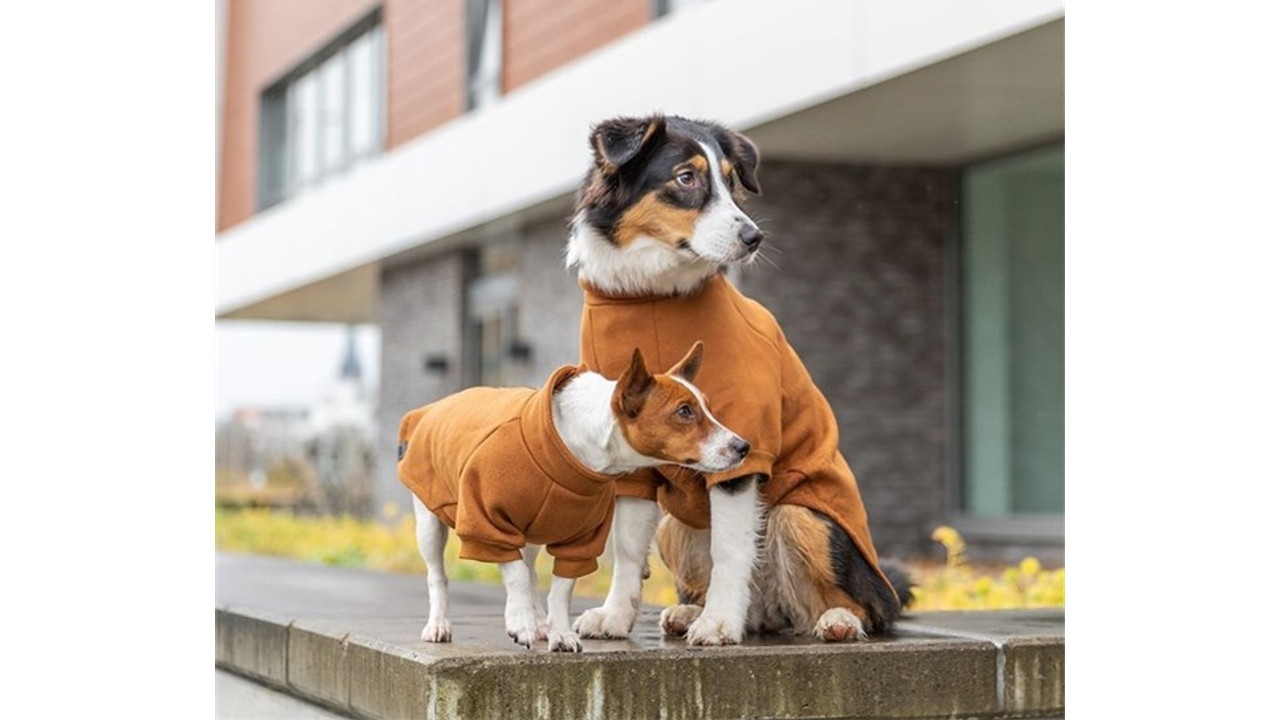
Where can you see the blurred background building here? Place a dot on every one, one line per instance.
(411, 163)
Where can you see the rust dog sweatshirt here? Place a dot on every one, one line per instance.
(489, 463)
(756, 385)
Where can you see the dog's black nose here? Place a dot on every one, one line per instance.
(740, 446)
(750, 236)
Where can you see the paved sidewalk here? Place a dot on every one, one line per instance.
(348, 639)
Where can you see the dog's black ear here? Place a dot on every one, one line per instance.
(633, 387)
(618, 141)
(688, 366)
(744, 157)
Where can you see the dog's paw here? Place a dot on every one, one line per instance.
(603, 624)
(523, 628)
(715, 630)
(675, 620)
(563, 641)
(437, 631)
(839, 625)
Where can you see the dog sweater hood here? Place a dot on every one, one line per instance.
(489, 463)
(755, 384)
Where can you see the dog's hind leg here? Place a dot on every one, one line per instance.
(634, 520)
(686, 551)
(822, 580)
(432, 536)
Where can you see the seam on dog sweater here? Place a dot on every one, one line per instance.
(489, 463)
(755, 384)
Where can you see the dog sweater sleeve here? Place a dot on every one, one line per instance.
(576, 556)
(492, 501)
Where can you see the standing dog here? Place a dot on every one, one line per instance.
(513, 468)
(658, 218)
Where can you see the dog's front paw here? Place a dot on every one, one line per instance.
(437, 631)
(523, 627)
(675, 620)
(839, 625)
(604, 624)
(715, 630)
(563, 641)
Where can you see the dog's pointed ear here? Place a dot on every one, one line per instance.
(688, 367)
(744, 157)
(633, 387)
(618, 141)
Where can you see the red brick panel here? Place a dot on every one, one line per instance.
(542, 35)
(426, 65)
(265, 40)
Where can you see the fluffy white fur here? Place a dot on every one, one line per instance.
(583, 416)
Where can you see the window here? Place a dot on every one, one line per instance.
(484, 52)
(1012, 364)
(324, 117)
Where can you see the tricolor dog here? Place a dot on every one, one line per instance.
(511, 469)
(781, 541)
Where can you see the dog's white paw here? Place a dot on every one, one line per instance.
(523, 627)
(839, 625)
(601, 623)
(563, 641)
(715, 630)
(675, 620)
(437, 631)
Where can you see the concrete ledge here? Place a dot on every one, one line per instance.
(349, 640)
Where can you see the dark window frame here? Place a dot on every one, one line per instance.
(275, 133)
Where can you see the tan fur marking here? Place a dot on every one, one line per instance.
(657, 432)
(806, 541)
(699, 163)
(653, 218)
(726, 168)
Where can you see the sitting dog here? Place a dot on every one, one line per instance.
(510, 469)
(658, 218)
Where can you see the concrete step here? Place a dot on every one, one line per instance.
(348, 639)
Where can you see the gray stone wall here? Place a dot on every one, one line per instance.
(859, 291)
(550, 300)
(420, 312)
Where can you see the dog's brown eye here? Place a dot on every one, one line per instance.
(685, 412)
(687, 178)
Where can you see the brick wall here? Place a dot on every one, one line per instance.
(860, 293)
(550, 300)
(542, 35)
(420, 311)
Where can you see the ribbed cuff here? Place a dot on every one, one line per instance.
(486, 552)
(570, 568)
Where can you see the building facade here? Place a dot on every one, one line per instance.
(412, 164)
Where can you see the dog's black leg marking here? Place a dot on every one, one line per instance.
(856, 577)
(738, 484)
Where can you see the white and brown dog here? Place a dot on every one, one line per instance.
(512, 469)
(782, 542)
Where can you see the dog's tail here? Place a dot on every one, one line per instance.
(900, 579)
